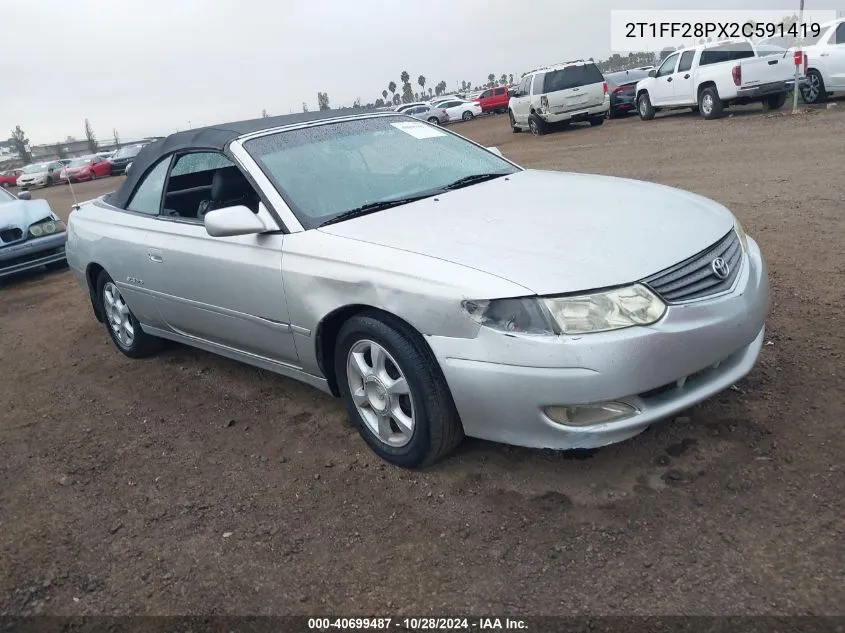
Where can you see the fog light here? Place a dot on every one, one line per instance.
(589, 414)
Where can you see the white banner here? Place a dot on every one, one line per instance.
(634, 30)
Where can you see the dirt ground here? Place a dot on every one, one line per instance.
(190, 484)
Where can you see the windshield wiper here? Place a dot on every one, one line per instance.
(472, 180)
(380, 205)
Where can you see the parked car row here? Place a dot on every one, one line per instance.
(83, 168)
(442, 110)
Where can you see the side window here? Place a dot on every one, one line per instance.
(839, 36)
(199, 161)
(486, 94)
(686, 61)
(537, 84)
(668, 66)
(500, 91)
(147, 197)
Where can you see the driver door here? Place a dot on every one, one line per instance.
(663, 92)
(226, 291)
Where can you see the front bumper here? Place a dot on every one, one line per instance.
(32, 253)
(501, 383)
(29, 184)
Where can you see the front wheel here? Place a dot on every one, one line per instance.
(93, 175)
(596, 120)
(644, 107)
(774, 102)
(123, 327)
(434, 120)
(467, 116)
(394, 392)
(5, 185)
(709, 104)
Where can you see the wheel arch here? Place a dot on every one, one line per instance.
(327, 330)
(702, 87)
(92, 273)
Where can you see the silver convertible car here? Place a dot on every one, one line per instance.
(438, 288)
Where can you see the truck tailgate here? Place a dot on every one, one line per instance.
(757, 71)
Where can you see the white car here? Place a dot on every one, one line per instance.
(825, 63)
(40, 175)
(711, 76)
(459, 109)
(407, 106)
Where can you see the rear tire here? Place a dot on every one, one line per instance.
(709, 104)
(430, 426)
(813, 91)
(775, 102)
(434, 120)
(93, 175)
(596, 120)
(122, 326)
(536, 125)
(514, 127)
(644, 107)
(467, 116)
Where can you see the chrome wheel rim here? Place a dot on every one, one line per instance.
(643, 107)
(707, 104)
(118, 315)
(811, 91)
(381, 393)
(534, 130)
(467, 116)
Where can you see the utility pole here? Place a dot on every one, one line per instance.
(799, 56)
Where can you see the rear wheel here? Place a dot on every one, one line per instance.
(394, 391)
(467, 116)
(813, 91)
(5, 185)
(596, 120)
(536, 125)
(709, 104)
(93, 174)
(434, 120)
(775, 102)
(123, 327)
(644, 107)
(514, 127)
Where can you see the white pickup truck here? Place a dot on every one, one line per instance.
(710, 77)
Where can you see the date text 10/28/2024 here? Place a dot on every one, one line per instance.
(417, 624)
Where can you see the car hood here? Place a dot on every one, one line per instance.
(34, 175)
(20, 214)
(552, 232)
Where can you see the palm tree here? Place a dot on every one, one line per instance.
(491, 80)
(510, 78)
(405, 77)
(392, 87)
(503, 80)
(421, 82)
(430, 91)
(384, 94)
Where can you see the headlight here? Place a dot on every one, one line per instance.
(608, 310)
(582, 314)
(743, 238)
(47, 227)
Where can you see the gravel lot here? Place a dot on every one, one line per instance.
(190, 484)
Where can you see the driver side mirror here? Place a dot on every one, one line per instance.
(24, 195)
(652, 73)
(231, 221)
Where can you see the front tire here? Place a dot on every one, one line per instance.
(814, 91)
(467, 116)
(644, 107)
(775, 102)
(434, 120)
(709, 104)
(394, 392)
(93, 175)
(596, 120)
(123, 327)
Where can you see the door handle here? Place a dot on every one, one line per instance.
(155, 255)
(669, 79)
(823, 54)
(686, 76)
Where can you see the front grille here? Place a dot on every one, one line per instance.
(695, 278)
(11, 235)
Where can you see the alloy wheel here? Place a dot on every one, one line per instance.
(380, 392)
(707, 104)
(811, 89)
(117, 313)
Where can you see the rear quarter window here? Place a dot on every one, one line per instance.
(729, 53)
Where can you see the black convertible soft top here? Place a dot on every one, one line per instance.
(214, 137)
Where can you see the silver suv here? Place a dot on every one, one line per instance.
(572, 91)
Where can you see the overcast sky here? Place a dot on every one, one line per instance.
(150, 66)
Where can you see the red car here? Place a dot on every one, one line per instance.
(85, 168)
(494, 100)
(9, 178)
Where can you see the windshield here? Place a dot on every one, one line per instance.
(326, 170)
(5, 196)
(127, 152)
(36, 168)
(78, 162)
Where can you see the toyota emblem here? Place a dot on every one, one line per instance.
(720, 268)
